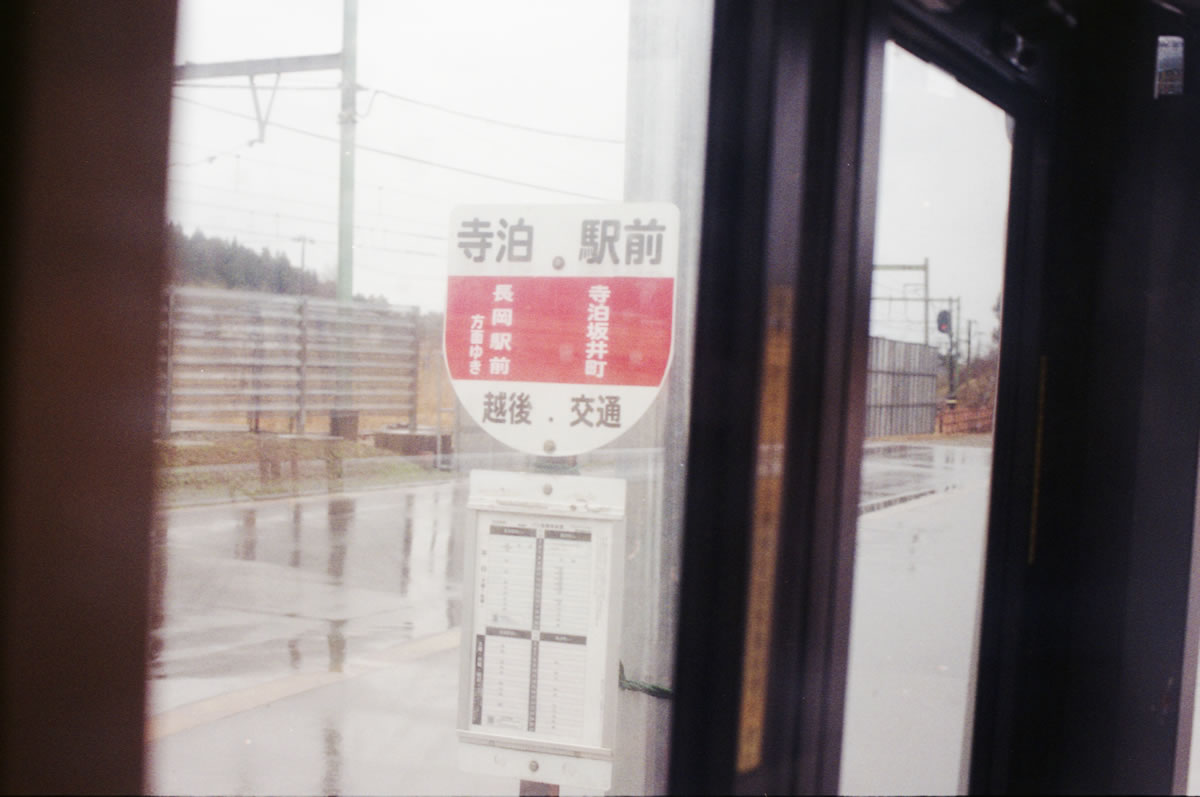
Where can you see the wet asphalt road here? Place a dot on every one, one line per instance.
(309, 645)
(914, 617)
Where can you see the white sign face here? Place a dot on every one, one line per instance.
(539, 667)
(559, 319)
(536, 588)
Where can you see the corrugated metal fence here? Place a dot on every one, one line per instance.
(232, 356)
(236, 356)
(901, 388)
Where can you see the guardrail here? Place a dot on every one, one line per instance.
(230, 355)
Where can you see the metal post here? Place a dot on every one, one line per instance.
(341, 420)
(169, 376)
(926, 269)
(954, 306)
(304, 241)
(302, 414)
(437, 462)
(970, 335)
(416, 378)
(922, 267)
(348, 122)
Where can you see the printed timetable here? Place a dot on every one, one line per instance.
(535, 617)
(539, 662)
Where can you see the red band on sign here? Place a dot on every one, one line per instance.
(566, 330)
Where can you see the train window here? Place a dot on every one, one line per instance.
(936, 302)
(347, 178)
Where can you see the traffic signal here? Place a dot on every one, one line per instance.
(943, 321)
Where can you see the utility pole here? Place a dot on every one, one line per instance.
(347, 62)
(923, 267)
(947, 324)
(304, 241)
(926, 270)
(348, 122)
(970, 337)
(955, 306)
(343, 420)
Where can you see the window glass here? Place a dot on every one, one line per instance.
(931, 391)
(332, 477)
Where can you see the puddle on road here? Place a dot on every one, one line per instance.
(331, 782)
(406, 546)
(911, 453)
(337, 645)
(247, 541)
(292, 586)
(297, 515)
(341, 515)
(898, 473)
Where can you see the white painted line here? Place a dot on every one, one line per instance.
(217, 708)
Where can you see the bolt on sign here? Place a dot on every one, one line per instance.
(559, 319)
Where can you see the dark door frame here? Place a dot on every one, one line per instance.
(87, 88)
(789, 211)
(786, 250)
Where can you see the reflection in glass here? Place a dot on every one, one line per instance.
(310, 544)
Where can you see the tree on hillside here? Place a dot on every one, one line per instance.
(977, 383)
(217, 263)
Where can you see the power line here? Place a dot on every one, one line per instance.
(391, 95)
(490, 120)
(391, 272)
(323, 205)
(211, 158)
(234, 209)
(390, 250)
(290, 166)
(242, 87)
(424, 235)
(263, 195)
(308, 219)
(304, 170)
(400, 156)
(325, 241)
(258, 233)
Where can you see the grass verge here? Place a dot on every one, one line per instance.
(218, 467)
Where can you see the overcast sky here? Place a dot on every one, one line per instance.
(943, 196)
(471, 102)
(545, 81)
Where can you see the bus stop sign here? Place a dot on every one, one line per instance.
(559, 319)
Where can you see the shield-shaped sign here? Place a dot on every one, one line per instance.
(559, 319)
